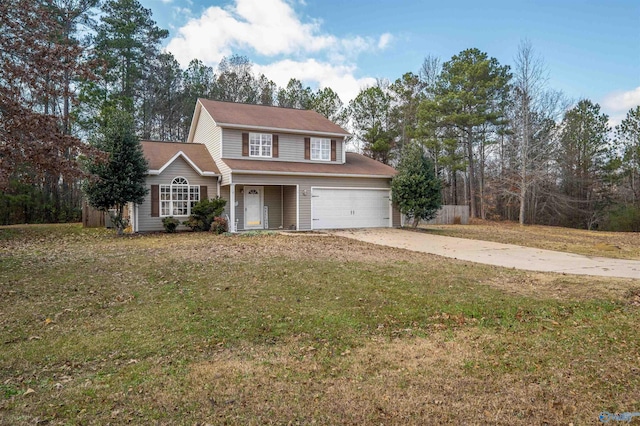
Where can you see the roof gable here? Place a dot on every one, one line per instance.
(161, 155)
(249, 116)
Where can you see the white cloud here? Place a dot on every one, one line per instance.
(622, 101)
(384, 40)
(617, 104)
(339, 77)
(267, 27)
(273, 29)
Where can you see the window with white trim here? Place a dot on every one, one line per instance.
(260, 145)
(320, 149)
(178, 198)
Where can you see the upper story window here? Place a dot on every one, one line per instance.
(178, 198)
(320, 149)
(260, 145)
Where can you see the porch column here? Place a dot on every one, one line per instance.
(232, 208)
(297, 207)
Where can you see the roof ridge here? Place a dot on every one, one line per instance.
(153, 140)
(259, 105)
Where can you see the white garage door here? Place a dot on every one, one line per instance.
(333, 208)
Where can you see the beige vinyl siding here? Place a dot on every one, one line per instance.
(225, 172)
(225, 194)
(178, 168)
(290, 147)
(306, 183)
(396, 218)
(208, 134)
(273, 199)
(290, 207)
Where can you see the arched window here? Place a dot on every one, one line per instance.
(178, 198)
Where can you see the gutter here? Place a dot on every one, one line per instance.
(276, 129)
(254, 172)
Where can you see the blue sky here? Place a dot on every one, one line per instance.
(591, 48)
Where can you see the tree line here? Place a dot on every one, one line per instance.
(500, 139)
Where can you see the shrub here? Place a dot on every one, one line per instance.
(219, 225)
(624, 218)
(170, 224)
(204, 212)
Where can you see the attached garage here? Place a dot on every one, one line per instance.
(335, 208)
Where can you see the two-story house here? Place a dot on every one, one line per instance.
(278, 168)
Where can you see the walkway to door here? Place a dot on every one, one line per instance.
(506, 255)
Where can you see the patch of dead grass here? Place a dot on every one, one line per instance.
(402, 381)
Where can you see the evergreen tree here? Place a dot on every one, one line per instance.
(469, 95)
(416, 189)
(582, 158)
(370, 113)
(121, 178)
(328, 103)
(127, 43)
(628, 137)
(295, 95)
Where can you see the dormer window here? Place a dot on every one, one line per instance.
(260, 145)
(320, 149)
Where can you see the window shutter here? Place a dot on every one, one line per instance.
(245, 144)
(274, 146)
(307, 148)
(155, 200)
(333, 150)
(203, 192)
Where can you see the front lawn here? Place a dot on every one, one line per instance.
(275, 329)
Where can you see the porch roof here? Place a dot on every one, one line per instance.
(356, 165)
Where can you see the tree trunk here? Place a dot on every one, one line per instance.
(472, 176)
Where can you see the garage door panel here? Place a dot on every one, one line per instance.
(349, 208)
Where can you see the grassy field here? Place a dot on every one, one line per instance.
(619, 245)
(276, 329)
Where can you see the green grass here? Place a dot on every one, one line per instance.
(196, 328)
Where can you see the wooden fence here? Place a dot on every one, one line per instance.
(92, 218)
(450, 215)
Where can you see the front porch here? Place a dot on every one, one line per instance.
(253, 207)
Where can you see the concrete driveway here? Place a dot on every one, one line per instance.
(507, 255)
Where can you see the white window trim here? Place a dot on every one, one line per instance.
(261, 144)
(321, 141)
(171, 201)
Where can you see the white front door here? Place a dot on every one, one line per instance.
(253, 207)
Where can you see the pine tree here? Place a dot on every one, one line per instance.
(120, 179)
